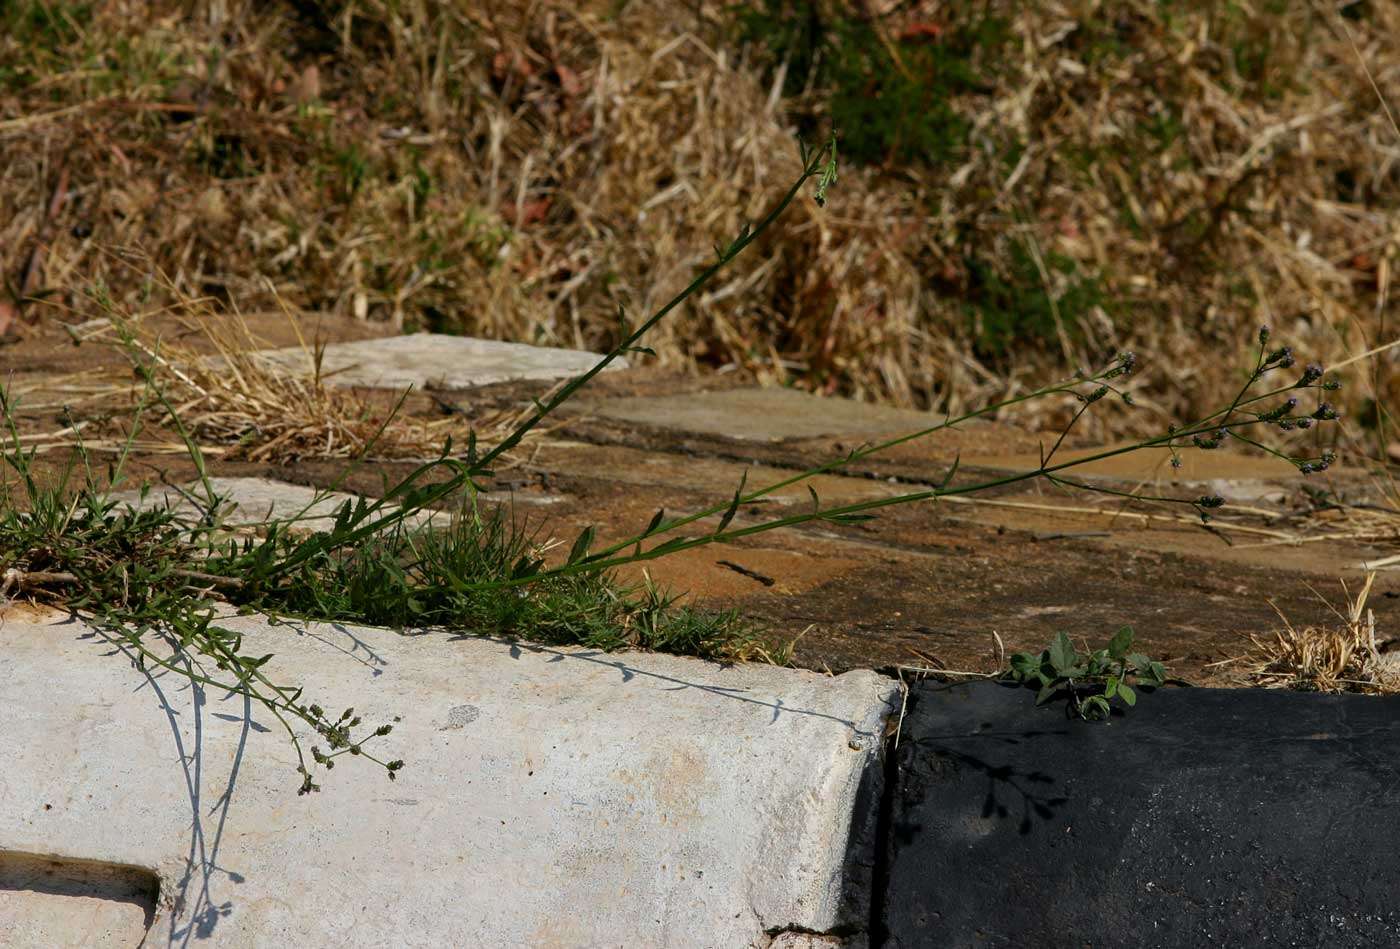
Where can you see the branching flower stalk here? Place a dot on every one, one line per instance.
(1205, 434)
(408, 497)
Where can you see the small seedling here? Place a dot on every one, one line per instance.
(1092, 680)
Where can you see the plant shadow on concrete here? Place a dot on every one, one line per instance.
(159, 579)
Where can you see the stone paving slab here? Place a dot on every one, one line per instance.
(551, 797)
(1243, 817)
(258, 500)
(762, 414)
(437, 361)
(253, 501)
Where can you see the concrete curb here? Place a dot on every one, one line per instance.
(552, 797)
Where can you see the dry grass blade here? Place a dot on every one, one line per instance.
(1167, 179)
(241, 406)
(1340, 657)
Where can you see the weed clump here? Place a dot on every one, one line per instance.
(890, 87)
(457, 578)
(1339, 657)
(1090, 681)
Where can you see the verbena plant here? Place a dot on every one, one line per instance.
(156, 581)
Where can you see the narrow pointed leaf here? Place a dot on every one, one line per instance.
(655, 522)
(581, 545)
(733, 505)
(948, 478)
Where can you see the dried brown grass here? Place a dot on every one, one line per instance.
(239, 406)
(1344, 657)
(519, 170)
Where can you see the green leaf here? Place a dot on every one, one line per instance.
(828, 177)
(1111, 688)
(1121, 642)
(526, 566)
(581, 545)
(849, 518)
(1096, 706)
(1046, 692)
(671, 544)
(733, 505)
(948, 478)
(1062, 653)
(655, 522)
(1128, 694)
(1140, 662)
(1024, 665)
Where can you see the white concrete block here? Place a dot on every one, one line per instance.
(436, 361)
(250, 501)
(551, 797)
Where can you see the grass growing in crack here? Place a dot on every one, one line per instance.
(133, 572)
(404, 578)
(157, 581)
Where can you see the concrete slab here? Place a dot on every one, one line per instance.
(436, 361)
(696, 479)
(1202, 816)
(762, 414)
(252, 501)
(551, 797)
(258, 500)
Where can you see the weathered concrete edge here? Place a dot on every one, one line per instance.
(857, 794)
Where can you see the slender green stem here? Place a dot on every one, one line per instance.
(834, 514)
(836, 464)
(370, 521)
